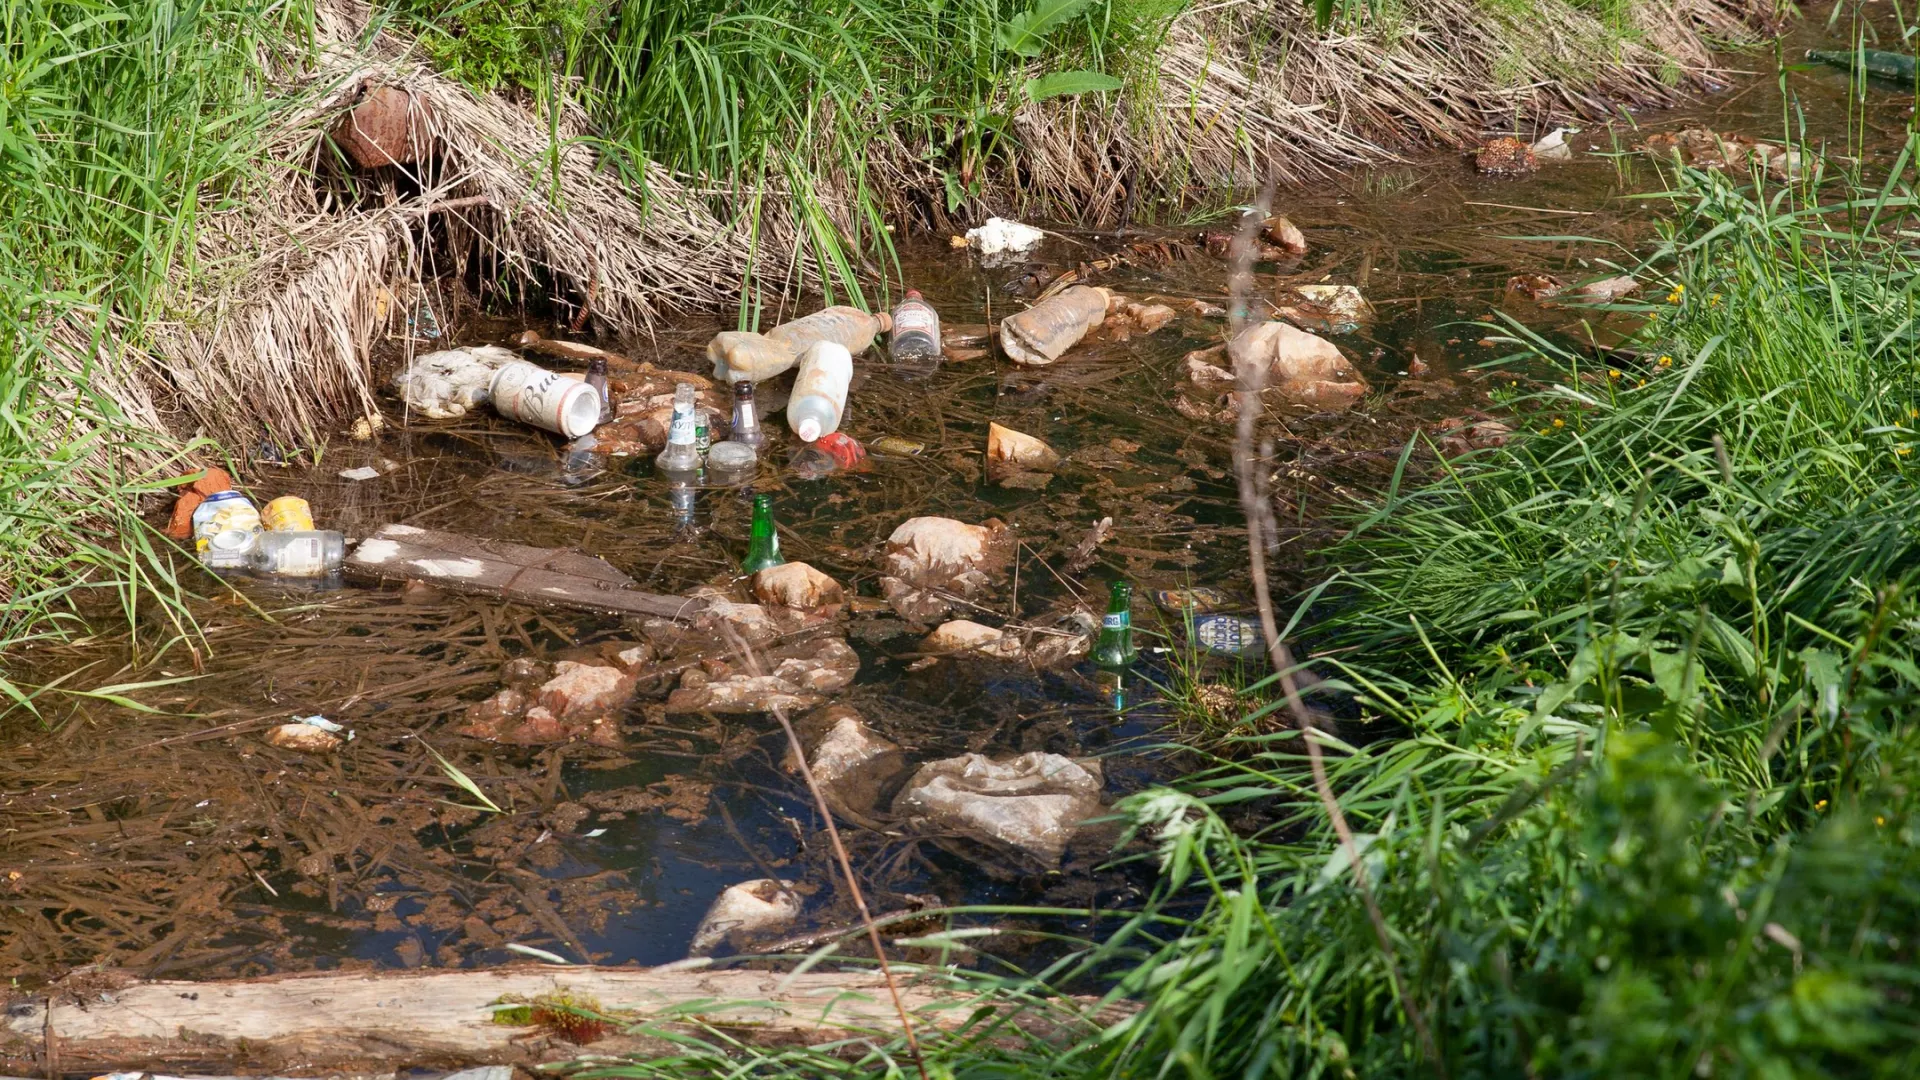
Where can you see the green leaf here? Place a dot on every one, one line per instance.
(1027, 32)
(1062, 83)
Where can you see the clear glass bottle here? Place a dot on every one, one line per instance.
(1114, 647)
(681, 456)
(746, 420)
(684, 497)
(297, 553)
(915, 340)
(597, 378)
(763, 539)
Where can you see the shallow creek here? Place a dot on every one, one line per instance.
(171, 839)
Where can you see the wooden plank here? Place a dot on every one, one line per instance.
(329, 1021)
(550, 577)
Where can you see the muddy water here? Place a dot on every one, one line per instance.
(169, 839)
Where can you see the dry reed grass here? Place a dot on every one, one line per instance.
(274, 329)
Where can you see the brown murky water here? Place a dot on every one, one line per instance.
(171, 839)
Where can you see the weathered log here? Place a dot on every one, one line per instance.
(327, 1022)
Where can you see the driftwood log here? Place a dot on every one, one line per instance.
(331, 1023)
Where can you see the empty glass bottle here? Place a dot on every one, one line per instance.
(763, 540)
(681, 454)
(1114, 647)
(915, 340)
(683, 496)
(746, 421)
(597, 378)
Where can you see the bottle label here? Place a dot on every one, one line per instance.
(702, 439)
(913, 317)
(682, 429)
(301, 558)
(1116, 620)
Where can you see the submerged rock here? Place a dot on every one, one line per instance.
(1284, 234)
(1303, 368)
(931, 556)
(1336, 309)
(1026, 808)
(747, 908)
(1608, 289)
(796, 675)
(853, 766)
(1505, 156)
(578, 691)
(797, 585)
(1010, 451)
(303, 738)
(967, 636)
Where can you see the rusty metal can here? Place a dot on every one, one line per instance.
(288, 513)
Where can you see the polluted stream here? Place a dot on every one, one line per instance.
(155, 830)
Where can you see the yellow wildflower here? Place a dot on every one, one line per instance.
(1613, 373)
(1545, 431)
(1903, 451)
(1666, 361)
(1878, 820)
(1821, 805)
(1557, 422)
(1642, 382)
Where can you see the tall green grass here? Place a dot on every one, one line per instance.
(1646, 676)
(120, 126)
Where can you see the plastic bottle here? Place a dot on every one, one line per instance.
(820, 390)
(758, 357)
(1040, 334)
(302, 553)
(763, 540)
(746, 418)
(1114, 647)
(681, 455)
(848, 327)
(597, 379)
(914, 340)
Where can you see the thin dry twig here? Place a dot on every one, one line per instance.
(1252, 380)
(840, 855)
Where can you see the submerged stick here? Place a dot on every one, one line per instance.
(846, 865)
(1252, 380)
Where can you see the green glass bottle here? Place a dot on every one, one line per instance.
(763, 541)
(1114, 647)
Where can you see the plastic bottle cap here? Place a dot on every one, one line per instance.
(809, 430)
(913, 294)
